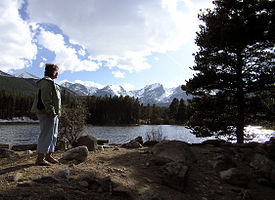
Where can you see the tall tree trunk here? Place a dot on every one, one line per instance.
(240, 100)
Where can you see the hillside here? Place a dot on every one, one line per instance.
(21, 85)
(16, 85)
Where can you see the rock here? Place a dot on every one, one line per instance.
(28, 152)
(89, 141)
(216, 143)
(174, 175)
(150, 143)
(244, 195)
(269, 147)
(234, 176)
(62, 144)
(84, 184)
(25, 184)
(264, 167)
(78, 153)
(139, 139)
(100, 185)
(122, 192)
(45, 179)
(6, 153)
(62, 174)
(14, 177)
(174, 151)
(223, 162)
(57, 196)
(100, 148)
(24, 147)
(133, 144)
(106, 184)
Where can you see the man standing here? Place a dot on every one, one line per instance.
(47, 105)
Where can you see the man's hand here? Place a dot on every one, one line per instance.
(53, 115)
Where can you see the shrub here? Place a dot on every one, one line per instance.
(72, 122)
(155, 135)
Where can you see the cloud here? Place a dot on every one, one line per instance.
(175, 82)
(17, 48)
(118, 74)
(66, 57)
(122, 32)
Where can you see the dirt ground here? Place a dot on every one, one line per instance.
(132, 176)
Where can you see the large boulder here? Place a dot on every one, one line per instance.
(89, 141)
(223, 162)
(78, 153)
(270, 148)
(235, 176)
(174, 175)
(176, 151)
(264, 167)
(133, 144)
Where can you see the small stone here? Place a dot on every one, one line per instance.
(14, 177)
(62, 174)
(83, 183)
(116, 149)
(28, 152)
(25, 184)
(100, 148)
(46, 179)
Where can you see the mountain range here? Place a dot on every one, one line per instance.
(150, 94)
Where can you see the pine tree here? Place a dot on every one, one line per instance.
(235, 62)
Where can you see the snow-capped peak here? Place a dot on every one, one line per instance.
(4, 74)
(25, 75)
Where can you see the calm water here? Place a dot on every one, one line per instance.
(28, 133)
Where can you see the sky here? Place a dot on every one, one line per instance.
(132, 43)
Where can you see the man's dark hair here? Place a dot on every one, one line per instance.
(49, 69)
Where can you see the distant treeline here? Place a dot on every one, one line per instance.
(106, 110)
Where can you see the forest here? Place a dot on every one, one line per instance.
(106, 110)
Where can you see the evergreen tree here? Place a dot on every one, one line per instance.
(181, 116)
(235, 62)
(173, 109)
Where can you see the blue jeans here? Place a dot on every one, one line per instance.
(48, 135)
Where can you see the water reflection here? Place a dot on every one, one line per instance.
(28, 133)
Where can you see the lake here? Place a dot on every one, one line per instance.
(14, 134)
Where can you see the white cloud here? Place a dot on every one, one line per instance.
(156, 58)
(66, 57)
(17, 48)
(81, 52)
(175, 82)
(123, 32)
(41, 64)
(118, 74)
